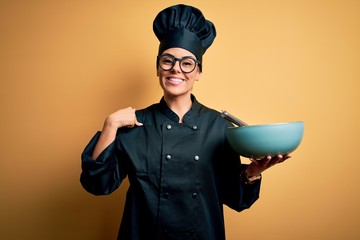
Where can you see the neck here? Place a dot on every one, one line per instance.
(179, 105)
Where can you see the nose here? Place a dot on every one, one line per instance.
(176, 67)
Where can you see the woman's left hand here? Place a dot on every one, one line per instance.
(256, 167)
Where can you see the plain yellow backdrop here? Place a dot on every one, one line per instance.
(66, 65)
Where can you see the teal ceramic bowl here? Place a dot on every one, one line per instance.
(258, 141)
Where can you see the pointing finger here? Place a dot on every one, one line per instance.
(138, 123)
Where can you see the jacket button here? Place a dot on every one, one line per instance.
(168, 157)
(168, 126)
(194, 195)
(196, 158)
(194, 127)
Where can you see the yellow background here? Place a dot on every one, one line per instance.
(66, 65)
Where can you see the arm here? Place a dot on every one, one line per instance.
(102, 170)
(250, 180)
(238, 194)
(246, 188)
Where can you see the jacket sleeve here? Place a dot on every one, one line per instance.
(237, 195)
(104, 175)
(242, 196)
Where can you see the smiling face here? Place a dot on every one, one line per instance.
(174, 82)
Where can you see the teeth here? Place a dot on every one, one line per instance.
(175, 80)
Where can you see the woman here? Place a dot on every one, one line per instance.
(180, 166)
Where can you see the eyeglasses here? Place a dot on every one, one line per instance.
(167, 62)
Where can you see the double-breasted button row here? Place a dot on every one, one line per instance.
(168, 157)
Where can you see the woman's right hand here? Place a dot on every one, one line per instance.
(122, 118)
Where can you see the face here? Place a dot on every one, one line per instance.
(174, 82)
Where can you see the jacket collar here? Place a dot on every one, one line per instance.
(190, 118)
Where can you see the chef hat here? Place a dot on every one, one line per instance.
(185, 27)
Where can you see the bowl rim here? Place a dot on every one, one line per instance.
(266, 124)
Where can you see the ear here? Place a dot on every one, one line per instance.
(157, 72)
(198, 75)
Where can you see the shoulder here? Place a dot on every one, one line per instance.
(212, 115)
(148, 112)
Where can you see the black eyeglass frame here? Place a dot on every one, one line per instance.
(174, 62)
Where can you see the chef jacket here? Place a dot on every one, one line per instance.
(180, 174)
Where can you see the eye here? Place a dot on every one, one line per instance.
(188, 62)
(166, 60)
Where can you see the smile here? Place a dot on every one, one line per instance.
(174, 80)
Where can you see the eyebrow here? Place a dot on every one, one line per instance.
(180, 57)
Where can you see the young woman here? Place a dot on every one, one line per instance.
(180, 166)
